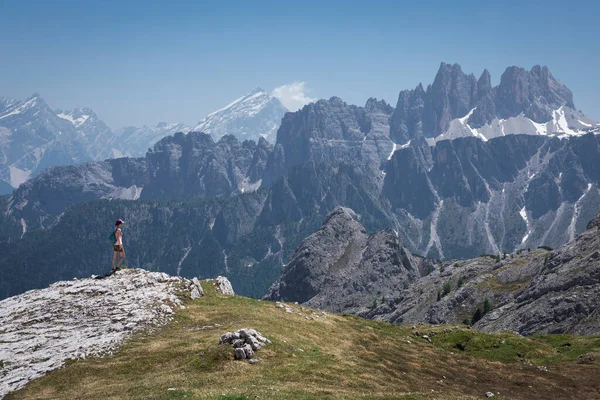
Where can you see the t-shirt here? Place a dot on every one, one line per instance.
(119, 236)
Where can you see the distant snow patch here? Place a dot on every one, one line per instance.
(392, 153)
(576, 211)
(77, 121)
(18, 176)
(523, 213)
(24, 227)
(405, 145)
(20, 108)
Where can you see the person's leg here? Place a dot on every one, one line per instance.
(122, 257)
(114, 265)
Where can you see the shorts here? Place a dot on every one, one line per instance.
(118, 248)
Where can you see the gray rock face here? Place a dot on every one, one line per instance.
(535, 93)
(70, 320)
(330, 132)
(181, 166)
(196, 291)
(594, 223)
(457, 104)
(193, 165)
(451, 95)
(341, 267)
(224, 286)
(39, 201)
(536, 291)
(465, 197)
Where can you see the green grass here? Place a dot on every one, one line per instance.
(322, 357)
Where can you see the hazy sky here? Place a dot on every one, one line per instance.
(141, 62)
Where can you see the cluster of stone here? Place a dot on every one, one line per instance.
(245, 342)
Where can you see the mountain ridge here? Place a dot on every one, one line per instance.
(342, 269)
(457, 104)
(253, 116)
(457, 199)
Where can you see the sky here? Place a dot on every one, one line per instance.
(142, 62)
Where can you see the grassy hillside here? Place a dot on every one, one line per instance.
(317, 355)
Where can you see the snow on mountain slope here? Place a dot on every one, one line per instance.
(99, 140)
(69, 117)
(6, 102)
(33, 137)
(254, 115)
(18, 108)
(565, 122)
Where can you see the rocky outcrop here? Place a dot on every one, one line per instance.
(534, 291)
(245, 342)
(42, 329)
(224, 286)
(342, 268)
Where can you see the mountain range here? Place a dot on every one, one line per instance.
(34, 137)
(240, 209)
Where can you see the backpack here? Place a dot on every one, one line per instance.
(112, 238)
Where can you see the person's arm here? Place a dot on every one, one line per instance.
(118, 235)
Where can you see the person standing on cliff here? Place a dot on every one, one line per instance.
(118, 245)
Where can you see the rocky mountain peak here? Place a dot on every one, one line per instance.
(335, 267)
(258, 89)
(255, 114)
(484, 84)
(342, 216)
(378, 106)
(456, 105)
(451, 95)
(536, 93)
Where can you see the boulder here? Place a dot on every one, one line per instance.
(196, 291)
(224, 286)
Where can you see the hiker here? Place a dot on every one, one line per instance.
(118, 245)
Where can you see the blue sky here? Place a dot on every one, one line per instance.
(141, 62)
